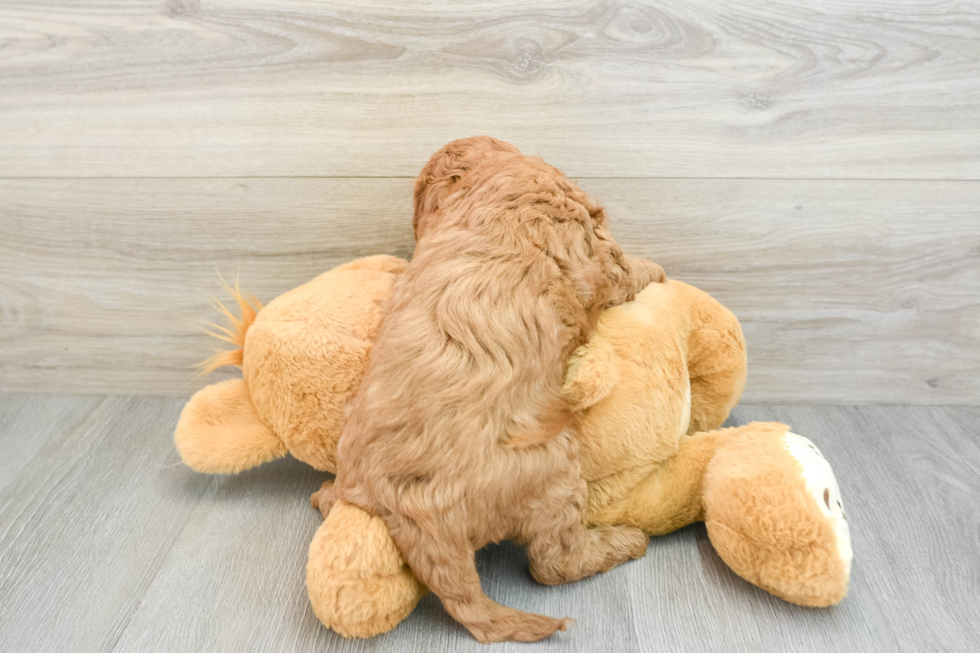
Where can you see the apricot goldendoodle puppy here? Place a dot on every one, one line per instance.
(458, 435)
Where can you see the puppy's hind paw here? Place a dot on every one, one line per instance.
(323, 498)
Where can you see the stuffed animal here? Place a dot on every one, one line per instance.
(658, 375)
(301, 356)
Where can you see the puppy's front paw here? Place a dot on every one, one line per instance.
(646, 272)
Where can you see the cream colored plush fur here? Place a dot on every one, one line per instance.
(657, 376)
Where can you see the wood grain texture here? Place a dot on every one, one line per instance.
(86, 521)
(912, 481)
(306, 88)
(30, 423)
(848, 291)
(107, 544)
(244, 549)
(103, 283)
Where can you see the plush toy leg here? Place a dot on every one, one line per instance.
(220, 433)
(774, 514)
(359, 584)
(716, 360)
(670, 497)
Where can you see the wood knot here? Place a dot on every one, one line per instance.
(530, 56)
(177, 8)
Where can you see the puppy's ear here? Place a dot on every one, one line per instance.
(430, 194)
(445, 170)
(598, 214)
(591, 375)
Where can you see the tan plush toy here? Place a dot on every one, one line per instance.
(657, 376)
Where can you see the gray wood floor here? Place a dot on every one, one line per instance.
(108, 543)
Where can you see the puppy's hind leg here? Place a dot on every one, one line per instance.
(443, 559)
(562, 550)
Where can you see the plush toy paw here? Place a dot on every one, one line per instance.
(773, 512)
(358, 582)
(219, 431)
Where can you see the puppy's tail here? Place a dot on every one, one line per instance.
(445, 562)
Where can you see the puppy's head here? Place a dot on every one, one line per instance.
(447, 172)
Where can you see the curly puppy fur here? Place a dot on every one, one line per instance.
(458, 435)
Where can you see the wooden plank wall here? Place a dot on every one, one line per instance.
(815, 167)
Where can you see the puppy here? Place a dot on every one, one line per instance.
(458, 435)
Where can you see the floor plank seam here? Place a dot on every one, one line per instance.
(160, 564)
(53, 472)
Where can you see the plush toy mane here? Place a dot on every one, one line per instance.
(234, 334)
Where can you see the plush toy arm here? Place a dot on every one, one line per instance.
(219, 431)
(358, 582)
(592, 372)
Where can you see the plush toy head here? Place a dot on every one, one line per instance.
(774, 514)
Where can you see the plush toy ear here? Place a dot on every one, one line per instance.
(358, 582)
(219, 431)
(591, 374)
